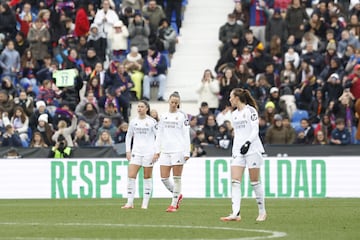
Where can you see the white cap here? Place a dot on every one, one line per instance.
(335, 75)
(40, 103)
(43, 117)
(274, 89)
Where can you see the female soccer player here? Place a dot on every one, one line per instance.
(247, 151)
(173, 148)
(141, 133)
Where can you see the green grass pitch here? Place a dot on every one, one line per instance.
(196, 219)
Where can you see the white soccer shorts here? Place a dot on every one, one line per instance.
(171, 159)
(253, 160)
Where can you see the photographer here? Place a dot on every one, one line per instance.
(60, 150)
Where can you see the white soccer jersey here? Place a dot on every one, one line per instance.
(173, 133)
(246, 128)
(143, 133)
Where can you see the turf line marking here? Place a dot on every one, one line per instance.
(274, 234)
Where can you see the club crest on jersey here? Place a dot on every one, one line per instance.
(186, 122)
(253, 117)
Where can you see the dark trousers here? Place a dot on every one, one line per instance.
(174, 5)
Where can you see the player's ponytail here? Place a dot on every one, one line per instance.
(245, 97)
(250, 100)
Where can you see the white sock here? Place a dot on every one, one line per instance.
(131, 191)
(147, 192)
(259, 194)
(168, 184)
(177, 190)
(236, 197)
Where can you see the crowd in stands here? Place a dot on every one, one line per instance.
(300, 59)
(72, 68)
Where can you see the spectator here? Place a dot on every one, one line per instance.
(90, 61)
(227, 82)
(65, 131)
(249, 41)
(229, 29)
(89, 114)
(25, 102)
(320, 138)
(94, 89)
(81, 138)
(104, 140)
(270, 112)
(139, 32)
(316, 25)
(39, 38)
(97, 40)
(44, 128)
(296, 18)
(208, 90)
(332, 88)
(292, 56)
(7, 21)
(20, 122)
(154, 68)
(107, 125)
(211, 130)
(28, 68)
(12, 153)
(259, 16)
(111, 112)
(21, 43)
(10, 60)
(325, 126)
(198, 144)
(317, 107)
(121, 132)
(291, 133)
(228, 60)
(10, 138)
(233, 43)
(82, 24)
(347, 39)
(61, 149)
(223, 138)
(6, 103)
(153, 13)
(277, 133)
(204, 112)
(306, 134)
(241, 14)
(276, 26)
(25, 17)
(38, 141)
(118, 41)
(166, 39)
(340, 135)
(224, 114)
(353, 82)
(105, 17)
(9, 86)
(136, 5)
(174, 6)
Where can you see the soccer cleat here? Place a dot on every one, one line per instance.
(144, 207)
(261, 217)
(179, 201)
(171, 209)
(231, 218)
(126, 206)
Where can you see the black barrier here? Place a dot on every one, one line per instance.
(118, 151)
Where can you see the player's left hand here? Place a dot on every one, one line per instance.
(245, 148)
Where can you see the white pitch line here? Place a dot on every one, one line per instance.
(274, 234)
